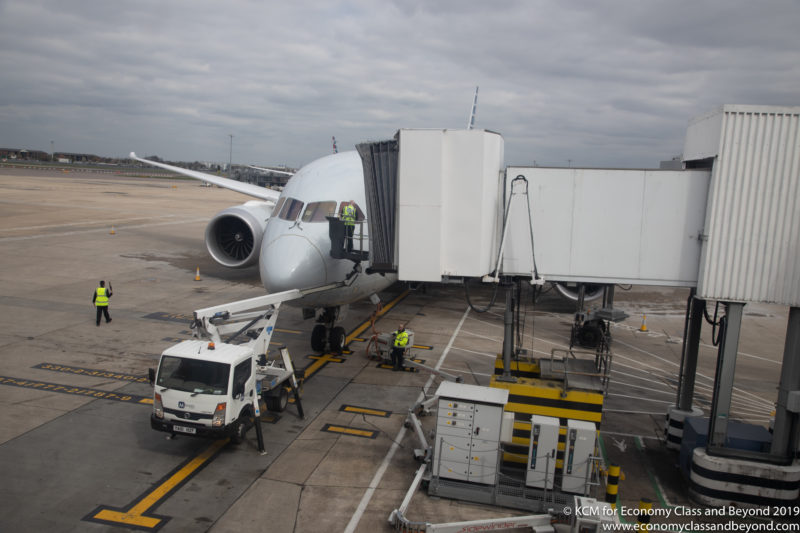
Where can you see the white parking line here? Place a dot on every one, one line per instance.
(376, 480)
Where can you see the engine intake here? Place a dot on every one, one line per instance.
(570, 291)
(233, 237)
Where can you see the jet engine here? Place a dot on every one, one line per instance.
(233, 237)
(592, 291)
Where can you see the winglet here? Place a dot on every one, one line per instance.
(132, 155)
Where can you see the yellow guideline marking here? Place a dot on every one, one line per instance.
(350, 431)
(135, 516)
(318, 364)
(356, 332)
(364, 410)
(293, 331)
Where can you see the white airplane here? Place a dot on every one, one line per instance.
(286, 233)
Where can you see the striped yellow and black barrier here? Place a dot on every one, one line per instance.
(522, 369)
(645, 511)
(612, 485)
(534, 396)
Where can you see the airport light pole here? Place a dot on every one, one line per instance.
(230, 156)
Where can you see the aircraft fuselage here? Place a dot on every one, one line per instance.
(295, 250)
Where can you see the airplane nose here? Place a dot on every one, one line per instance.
(291, 262)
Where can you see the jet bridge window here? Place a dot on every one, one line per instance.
(291, 208)
(317, 211)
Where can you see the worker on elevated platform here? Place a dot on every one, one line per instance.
(349, 218)
(400, 342)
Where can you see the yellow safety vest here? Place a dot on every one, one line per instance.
(101, 300)
(401, 339)
(349, 215)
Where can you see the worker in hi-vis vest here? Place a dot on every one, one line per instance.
(400, 341)
(349, 219)
(100, 301)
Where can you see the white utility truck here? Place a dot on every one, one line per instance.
(210, 388)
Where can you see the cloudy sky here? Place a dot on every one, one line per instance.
(600, 83)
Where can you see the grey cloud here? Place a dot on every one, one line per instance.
(600, 83)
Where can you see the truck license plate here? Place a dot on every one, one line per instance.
(182, 429)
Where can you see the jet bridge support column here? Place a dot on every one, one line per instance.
(723, 380)
(691, 348)
(683, 408)
(787, 427)
(508, 334)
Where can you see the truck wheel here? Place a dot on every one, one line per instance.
(337, 339)
(283, 399)
(318, 338)
(279, 402)
(239, 430)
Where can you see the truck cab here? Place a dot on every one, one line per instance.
(205, 390)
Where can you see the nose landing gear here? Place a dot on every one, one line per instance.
(327, 334)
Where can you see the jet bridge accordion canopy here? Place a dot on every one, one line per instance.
(379, 160)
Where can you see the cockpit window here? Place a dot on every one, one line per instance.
(317, 211)
(278, 205)
(291, 208)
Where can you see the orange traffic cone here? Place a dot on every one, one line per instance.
(644, 323)
(112, 232)
(197, 276)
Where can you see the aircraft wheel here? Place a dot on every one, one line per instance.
(337, 339)
(318, 338)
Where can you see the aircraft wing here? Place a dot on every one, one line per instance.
(272, 170)
(226, 183)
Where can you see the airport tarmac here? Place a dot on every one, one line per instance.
(76, 448)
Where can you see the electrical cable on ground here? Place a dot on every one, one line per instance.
(469, 299)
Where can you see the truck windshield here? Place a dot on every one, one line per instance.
(192, 375)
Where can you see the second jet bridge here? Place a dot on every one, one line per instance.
(438, 201)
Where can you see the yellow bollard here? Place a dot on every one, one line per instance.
(645, 511)
(112, 232)
(197, 276)
(612, 485)
(644, 323)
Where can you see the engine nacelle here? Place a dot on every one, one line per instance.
(233, 237)
(593, 291)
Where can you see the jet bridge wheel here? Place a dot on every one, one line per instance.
(590, 333)
(318, 335)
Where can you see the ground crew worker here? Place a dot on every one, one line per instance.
(349, 218)
(100, 301)
(400, 341)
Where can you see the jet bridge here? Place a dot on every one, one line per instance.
(726, 227)
(438, 199)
